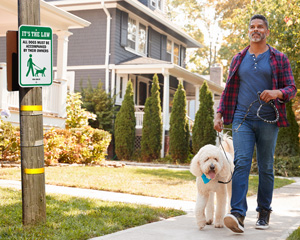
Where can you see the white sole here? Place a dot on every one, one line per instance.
(262, 227)
(233, 224)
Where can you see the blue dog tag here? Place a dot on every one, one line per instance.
(205, 179)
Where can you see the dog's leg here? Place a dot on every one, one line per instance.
(229, 190)
(221, 205)
(200, 210)
(210, 208)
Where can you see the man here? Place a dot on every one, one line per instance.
(258, 68)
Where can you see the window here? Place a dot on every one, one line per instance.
(137, 36)
(131, 33)
(121, 87)
(142, 39)
(156, 4)
(176, 54)
(169, 46)
(173, 50)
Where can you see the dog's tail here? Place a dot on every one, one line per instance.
(227, 144)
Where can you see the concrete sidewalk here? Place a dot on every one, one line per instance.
(285, 217)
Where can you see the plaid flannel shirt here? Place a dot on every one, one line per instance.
(282, 79)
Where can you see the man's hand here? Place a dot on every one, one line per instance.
(218, 123)
(269, 95)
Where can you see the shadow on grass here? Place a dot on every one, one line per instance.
(167, 174)
(74, 218)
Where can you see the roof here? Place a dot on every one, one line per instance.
(51, 16)
(143, 65)
(136, 7)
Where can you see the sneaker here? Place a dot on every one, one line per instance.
(263, 219)
(235, 222)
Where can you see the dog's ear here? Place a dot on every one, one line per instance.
(195, 165)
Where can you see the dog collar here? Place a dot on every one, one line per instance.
(205, 179)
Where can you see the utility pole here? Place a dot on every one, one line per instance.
(31, 133)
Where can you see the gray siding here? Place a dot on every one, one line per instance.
(87, 45)
(82, 77)
(2, 49)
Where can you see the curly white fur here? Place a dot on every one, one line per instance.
(211, 161)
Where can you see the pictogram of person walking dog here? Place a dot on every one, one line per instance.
(38, 70)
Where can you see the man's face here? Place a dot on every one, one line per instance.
(257, 30)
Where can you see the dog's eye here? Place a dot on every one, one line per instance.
(216, 159)
(206, 159)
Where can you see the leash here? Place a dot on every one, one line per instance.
(271, 103)
(220, 140)
(258, 115)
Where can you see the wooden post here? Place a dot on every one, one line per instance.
(31, 133)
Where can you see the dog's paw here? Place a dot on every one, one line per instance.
(219, 225)
(209, 222)
(201, 224)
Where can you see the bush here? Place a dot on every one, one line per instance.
(77, 116)
(203, 129)
(97, 101)
(78, 145)
(152, 125)
(9, 141)
(179, 128)
(125, 126)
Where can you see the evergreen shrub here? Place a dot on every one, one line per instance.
(203, 129)
(125, 126)
(152, 125)
(179, 128)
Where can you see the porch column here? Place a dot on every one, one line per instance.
(165, 109)
(62, 59)
(3, 84)
(197, 97)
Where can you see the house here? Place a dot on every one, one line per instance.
(54, 96)
(133, 40)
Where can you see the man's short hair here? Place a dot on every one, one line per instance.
(262, 17)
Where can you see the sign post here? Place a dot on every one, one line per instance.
(35, 56)
(31, 122)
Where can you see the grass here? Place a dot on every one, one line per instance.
(165, 183)
(295, 235)
(74, 218)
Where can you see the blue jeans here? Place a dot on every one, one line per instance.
(264, 136)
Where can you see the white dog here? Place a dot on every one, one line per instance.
(210, 166)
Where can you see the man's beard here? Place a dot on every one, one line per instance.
(261, 37)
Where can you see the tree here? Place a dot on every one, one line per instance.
(179, 130)
(203, 129)
(97, 101)
(152, 124)
(288, 138)
(125, 126)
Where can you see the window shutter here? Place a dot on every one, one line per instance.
(124, 29)
(182, 56)
(163, 47)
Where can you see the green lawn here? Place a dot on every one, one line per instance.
(165, 183)
(74, 218)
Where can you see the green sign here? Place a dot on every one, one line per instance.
(35, 56)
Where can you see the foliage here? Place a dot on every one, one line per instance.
(97, 101)
(179, 128)
(125, 126)
(75, 218)
(152, 125)
(203, 129)
(9, 141)
(76, 145)
(283, 166)
(288, 139)
(295, 235)
(77, 116)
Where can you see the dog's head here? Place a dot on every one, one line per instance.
(209, 161)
